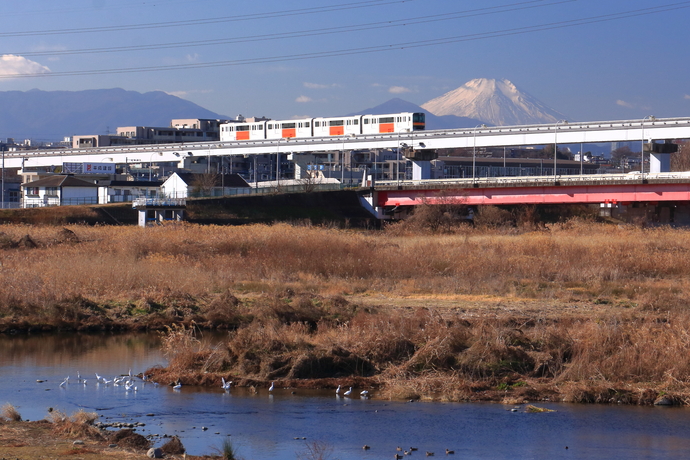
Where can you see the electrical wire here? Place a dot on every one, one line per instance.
(196, 22)
(306, 33)
(376, 49)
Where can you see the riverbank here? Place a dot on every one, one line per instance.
(77, 437)
(579, 312)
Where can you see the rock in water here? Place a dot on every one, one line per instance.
(155, 453)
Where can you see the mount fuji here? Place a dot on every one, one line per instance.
(496, 102)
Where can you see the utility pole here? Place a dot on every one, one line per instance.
(2, 147)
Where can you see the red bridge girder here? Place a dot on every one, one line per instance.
(566, 194)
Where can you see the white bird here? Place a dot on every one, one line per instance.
(225, 385)
(348, 392)
(78, 377)
(337, 390)
(177, 387)
(84, 381)
(64, 381)
(271, 387)
(364, 393)
(98, 378)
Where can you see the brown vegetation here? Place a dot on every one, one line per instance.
(78, 425)
(576, 311)
(10, 413)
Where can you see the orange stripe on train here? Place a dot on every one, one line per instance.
(386, 128)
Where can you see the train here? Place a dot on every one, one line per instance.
(402, 122)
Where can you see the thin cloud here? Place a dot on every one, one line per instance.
(319, 85)
(17, 65)
(303, 99)
(687, 96)
(622, 103)
(183, 94)
(399, 90)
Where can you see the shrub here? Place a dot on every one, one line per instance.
(9, 412)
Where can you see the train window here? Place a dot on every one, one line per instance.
(366, 121)
(349, 122)
(269, 127)
(317, 124)
(418, 117)
(288, 125)
(335, 123)
(243, 128)
(387, 120)
(300, 125)
(306, 125)
(261, 127)
(355, 122)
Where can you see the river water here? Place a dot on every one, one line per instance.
(263, 425)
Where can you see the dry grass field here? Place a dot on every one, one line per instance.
(577, 311)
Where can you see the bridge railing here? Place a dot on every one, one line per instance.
(536, 180)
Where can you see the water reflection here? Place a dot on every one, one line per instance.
(264, 425)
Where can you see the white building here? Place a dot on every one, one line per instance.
(183, 185)
(58, 190)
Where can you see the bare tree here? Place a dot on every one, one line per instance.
(620, 153)
(309, 180)
(203, 184)
(680, 161)
(441, 213)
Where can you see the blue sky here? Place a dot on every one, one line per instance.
(313, 58)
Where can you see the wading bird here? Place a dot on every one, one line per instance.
(348, 392)
(271, 387)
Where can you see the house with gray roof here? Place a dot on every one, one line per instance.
(58, 190)
(184, 185)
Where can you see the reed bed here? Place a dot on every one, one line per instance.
(610, 321)
(125, 264)
(427, 354)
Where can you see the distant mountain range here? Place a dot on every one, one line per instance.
(52, 115)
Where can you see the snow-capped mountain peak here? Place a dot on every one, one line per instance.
(497, 102)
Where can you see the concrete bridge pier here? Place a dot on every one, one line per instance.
(421, 162)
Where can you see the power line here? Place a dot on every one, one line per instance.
(306, 33)
(196, 22)
(376, 49)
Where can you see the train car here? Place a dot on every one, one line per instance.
(243, 131)
(393, 123)
(323, 127)
(337, 126)
(289, 128)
